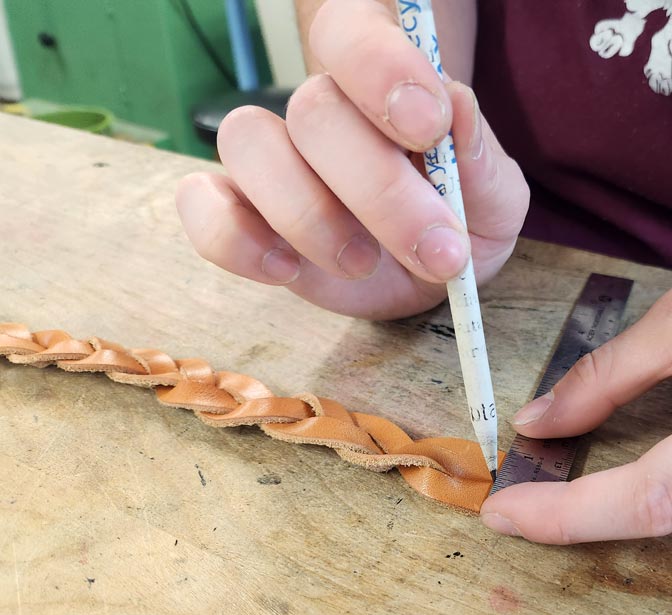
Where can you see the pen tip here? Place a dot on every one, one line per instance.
(493, 473)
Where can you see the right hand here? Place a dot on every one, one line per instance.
(334, 203)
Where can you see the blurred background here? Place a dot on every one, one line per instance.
(160, 72)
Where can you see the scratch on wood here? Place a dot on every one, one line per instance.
(200, 474)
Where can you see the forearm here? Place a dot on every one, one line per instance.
(455, 23)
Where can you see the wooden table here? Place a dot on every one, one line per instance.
(111, 503)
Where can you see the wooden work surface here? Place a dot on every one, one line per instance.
(111, 503)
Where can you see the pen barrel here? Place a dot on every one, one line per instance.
(417, 21)
(416, 18)
(468, 325)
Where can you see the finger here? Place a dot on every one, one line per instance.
(391, 293)
(381, 71)
(614, 374)
(256, 150)
(226, 231)
(495, 192)
(632, 501)
(376, 181)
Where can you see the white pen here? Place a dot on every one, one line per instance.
(417, 21)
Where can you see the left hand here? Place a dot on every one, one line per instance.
(334, 202)
(631, 501)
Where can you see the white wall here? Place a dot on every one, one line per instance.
(278, 26)
(9, 77)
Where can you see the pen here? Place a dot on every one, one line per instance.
(417, 21)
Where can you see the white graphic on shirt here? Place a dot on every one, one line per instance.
(618, 36)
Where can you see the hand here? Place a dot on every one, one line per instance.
(332, 204)
(633, 501)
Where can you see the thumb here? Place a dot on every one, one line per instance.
(614, 374)
(496, 195)
(631, 501)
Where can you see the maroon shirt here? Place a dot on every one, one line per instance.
(592, 136)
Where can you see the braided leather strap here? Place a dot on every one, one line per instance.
(449, 470)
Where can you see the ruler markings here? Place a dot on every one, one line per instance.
(596, 318)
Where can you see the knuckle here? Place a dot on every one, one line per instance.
(521, 194)
(378, 205)
(300, 223)
(363, 46)
(240, 125)
(186, 184)
(596, 367)
(311, 96)
(562, 535)
(352, 42)
(508, 181)
(240, 118)
(562, 529)
(492, 179)
(586, 370)
(206, 235)
(206, 244)
(208, 241)
(653, 501)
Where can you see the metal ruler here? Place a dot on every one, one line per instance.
(595, 319)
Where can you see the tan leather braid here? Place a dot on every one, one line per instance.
(449, 470)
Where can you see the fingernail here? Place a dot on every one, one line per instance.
(442, 251)
(358, 259)
(476, 143)
(281, 265)
(416, 114)
(534, 410)
(500, 524)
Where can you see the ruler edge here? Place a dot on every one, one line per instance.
(573, 440)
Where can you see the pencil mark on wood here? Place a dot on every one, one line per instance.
(269, 479)
(440, 330)
(200, 475)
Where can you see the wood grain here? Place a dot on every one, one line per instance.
(110, 503)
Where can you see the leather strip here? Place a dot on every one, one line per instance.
(450, 471)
